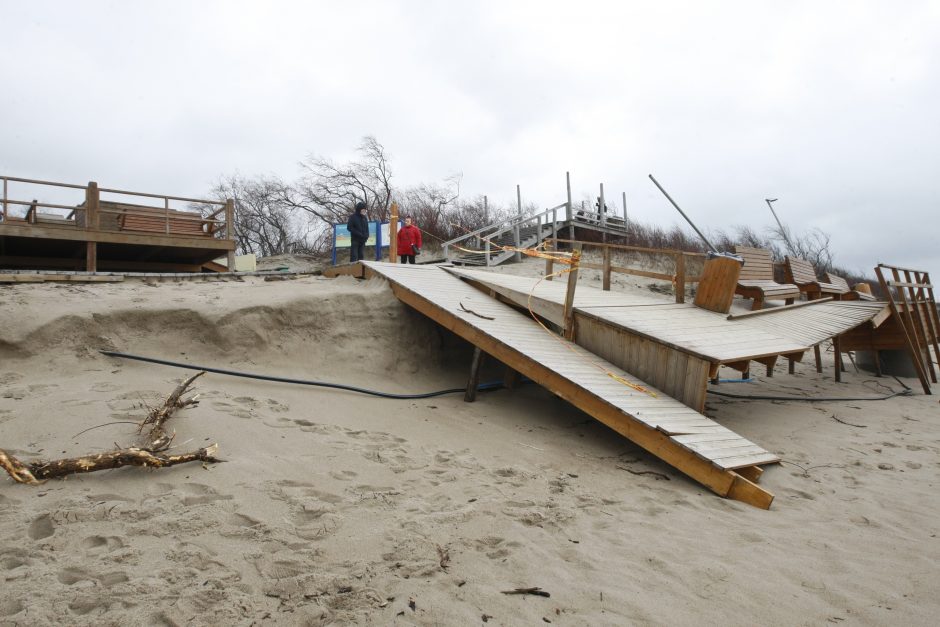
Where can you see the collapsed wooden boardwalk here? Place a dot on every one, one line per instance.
(713, 455)
(679, 346)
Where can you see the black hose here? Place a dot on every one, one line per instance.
(811, 399)
(322, 384)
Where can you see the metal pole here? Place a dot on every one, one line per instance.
(569, 210)
(783, 231)
(704, 239)
(625, 208)
(602, 207)
(515, 230)
(568, 204)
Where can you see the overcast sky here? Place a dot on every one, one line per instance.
(832, 107)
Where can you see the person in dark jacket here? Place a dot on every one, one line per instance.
(358, 226)
(409, 241)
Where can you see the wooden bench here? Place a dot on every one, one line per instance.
(802, 274)
(180, 223)
(757, 278)
(849, 293)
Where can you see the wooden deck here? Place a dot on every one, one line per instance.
(712, 336)
(102, 234)
(699, 447)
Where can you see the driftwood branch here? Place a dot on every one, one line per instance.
(38, 472)
(150, 454)
(159, 439)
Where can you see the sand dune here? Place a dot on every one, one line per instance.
(334, 507)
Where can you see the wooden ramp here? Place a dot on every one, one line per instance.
(701, 448)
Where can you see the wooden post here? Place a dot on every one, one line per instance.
(393, 236)
(569, 295)
(680, 278)
(837, 349)
(92, 204)
(166, 216)
(91, 256)
(606, 270)
(511, 378)
(92, 221)
(471, 394)
(549, 262)
(230, 232)
(602, 209)
(4, 199)
(818, 357)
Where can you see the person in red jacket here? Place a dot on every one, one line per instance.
(409, 241)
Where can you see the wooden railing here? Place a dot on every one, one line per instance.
(92, 209)
(679, 278)
(483, 238)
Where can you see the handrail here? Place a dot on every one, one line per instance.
(183, 198)
(15, 179)
(39, 204)
(496, 229)
(508, 222)
(679, 279)
(38, 182)
(178, 215)
(638, 249)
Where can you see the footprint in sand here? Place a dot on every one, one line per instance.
(241, 520)
(239, 411)
(87, 604)
(71, 576)
(10, 606)
(94, 545)
(494, 547)
(41, 527)
(14, 558)
(312, 511)
(103, 386)
(7, 378)
(343, 475)
(200, 494)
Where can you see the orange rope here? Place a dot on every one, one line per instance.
(570, 345)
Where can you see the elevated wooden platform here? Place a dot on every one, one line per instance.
(716, 457)
(109, 235)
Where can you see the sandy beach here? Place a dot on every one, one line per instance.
(334, 508)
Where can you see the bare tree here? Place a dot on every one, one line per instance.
(431, 205)
(812, 245)
(264, 223)
(328, 191)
